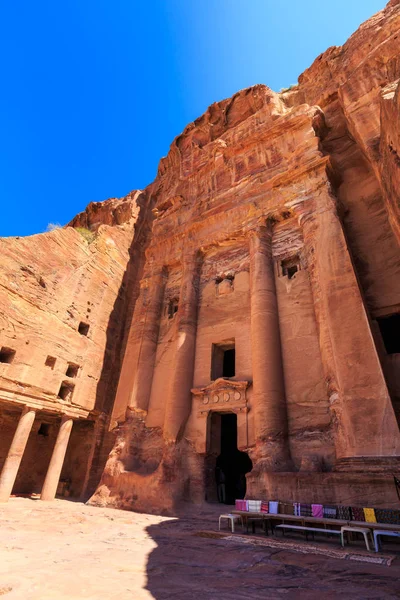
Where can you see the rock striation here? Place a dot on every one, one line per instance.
(252, 326)
(64, 308)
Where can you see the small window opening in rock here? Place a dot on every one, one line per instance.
(223, 360)
(83, 328)
(50, 362)
(72, 370)
(172, 308)
(228, 367)
(44, 429)
(66, 391)
(7, 355)
(290, 267)
(390, 331)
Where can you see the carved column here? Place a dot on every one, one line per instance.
(270, 419)
(178, 403)
(57, 459)
(10, 469)
(136, 377)
(363, 416)
(148, 344)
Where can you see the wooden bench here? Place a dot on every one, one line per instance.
(307, 529)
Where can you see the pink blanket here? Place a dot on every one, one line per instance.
(317, 510)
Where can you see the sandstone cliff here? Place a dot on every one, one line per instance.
(336, 135)
(247, 154)
(65, 301)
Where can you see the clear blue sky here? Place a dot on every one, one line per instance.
(94, 91)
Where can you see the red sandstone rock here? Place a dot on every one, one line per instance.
(49, 284)
(271, 230)
(298, 159)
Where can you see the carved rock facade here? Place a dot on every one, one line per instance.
(264, 295)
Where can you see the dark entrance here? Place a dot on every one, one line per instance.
(226, 466)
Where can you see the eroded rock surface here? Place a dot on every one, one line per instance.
(269, 213)
(244, 305)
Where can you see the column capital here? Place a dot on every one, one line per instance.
(191, 256)
(155, 273)
(263, 228)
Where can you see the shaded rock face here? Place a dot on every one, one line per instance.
(245, 303)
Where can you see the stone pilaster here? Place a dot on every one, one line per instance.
(136, 377)
(270, 418)
(178, 403)
(363, 417)
(10, 469)
(148, 344)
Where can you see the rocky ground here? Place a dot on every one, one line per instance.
(68, 550)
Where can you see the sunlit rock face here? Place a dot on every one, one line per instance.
(272, 265)
(253, 321)
(64, 305)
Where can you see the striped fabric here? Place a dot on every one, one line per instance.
(305, 510)
(264, 506)
(330, 511)
(254, 505)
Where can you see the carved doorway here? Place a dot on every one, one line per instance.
(225, 465)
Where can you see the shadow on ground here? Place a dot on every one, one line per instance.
(185, 566)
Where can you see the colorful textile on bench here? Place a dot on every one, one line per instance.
(344, 513)
(305, 510)
(254, 505)
(330, 511)
(264, 506)
(273, 507)
(369, 515)
(388, 515)
(357, 514)
(317, 510)
(285, 508)
(242, 505)
(296, 509)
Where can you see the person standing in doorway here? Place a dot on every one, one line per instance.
(221, 485)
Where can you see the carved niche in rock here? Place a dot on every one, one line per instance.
(224, 285)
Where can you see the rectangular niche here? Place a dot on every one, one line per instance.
(83, 328)
(223, 360)
(72, 370)
(66, 391)
(290, 266)
(7, 355)
(50, 362)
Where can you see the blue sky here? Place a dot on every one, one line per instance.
(94, 91)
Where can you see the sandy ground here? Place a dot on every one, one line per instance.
(62, 549)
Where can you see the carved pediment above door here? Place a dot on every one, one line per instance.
(223, 394)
